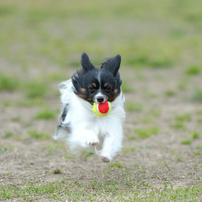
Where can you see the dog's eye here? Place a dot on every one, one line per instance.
(107, 89)
(92, 89)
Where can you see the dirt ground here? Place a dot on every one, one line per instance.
(160, 44)
(159, 159)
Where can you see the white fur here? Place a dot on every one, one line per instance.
(87, 129)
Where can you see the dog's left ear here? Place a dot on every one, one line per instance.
(113, 64)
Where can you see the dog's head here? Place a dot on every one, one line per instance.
(98, 84)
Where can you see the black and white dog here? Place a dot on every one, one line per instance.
(80, 127)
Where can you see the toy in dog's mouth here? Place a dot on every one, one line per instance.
(102, 109)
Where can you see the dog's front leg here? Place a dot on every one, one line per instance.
(81, 138)
(111, 146)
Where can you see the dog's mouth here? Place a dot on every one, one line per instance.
(100, 98)
(102, 109)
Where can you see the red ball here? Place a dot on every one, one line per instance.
(103, 107)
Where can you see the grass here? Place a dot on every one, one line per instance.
(170, 93)
(149, 95)
(126, 150)
(16, 118)
(36, 89)
(154, 112)
(133, 106)
(115, 165)
(199, 120)
(19, 137)
(178, 125)
(145, 60)
(46, 114)
(183, 84)
(199, 147)
(193, 70)
(32, 102)
(58, 77)
(183, 117)
(85, 155)
(52, 148)
(197, 95)
(126, 88)
(160, 62)
(137, 61)
(8, 135)
(198, 153)
(145, 120)
(195, 135)
(186, 141)
(146, 132)
(57, 171)
(199, 112)
(179, 159)
(130, 190)
(8, 82)
(36, 135)
(3, 149)
(67, 155)
(42, 39)
(132, 137)
(180, 121)
(156, 47)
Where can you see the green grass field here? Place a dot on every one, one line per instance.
(161, 46)
(151, 34)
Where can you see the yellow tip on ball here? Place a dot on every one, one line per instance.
(96, 110)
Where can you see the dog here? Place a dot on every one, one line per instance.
(79, 125)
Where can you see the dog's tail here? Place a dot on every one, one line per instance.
(61, 132)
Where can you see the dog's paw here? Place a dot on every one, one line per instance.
(89, 139)
(105, 159)
(92, 141)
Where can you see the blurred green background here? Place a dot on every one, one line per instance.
(147, 34)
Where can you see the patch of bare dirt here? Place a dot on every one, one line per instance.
(157, 159)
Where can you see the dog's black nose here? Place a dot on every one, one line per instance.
(100, 99)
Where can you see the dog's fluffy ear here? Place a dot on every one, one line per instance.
(86, 63)
(112, 64)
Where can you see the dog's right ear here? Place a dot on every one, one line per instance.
(112, 64)
(86, 63)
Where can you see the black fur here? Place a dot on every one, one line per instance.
(65, 126)
(64, 113)
(88, 80)
(86, 63)
(112, 64)
(113, 82)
